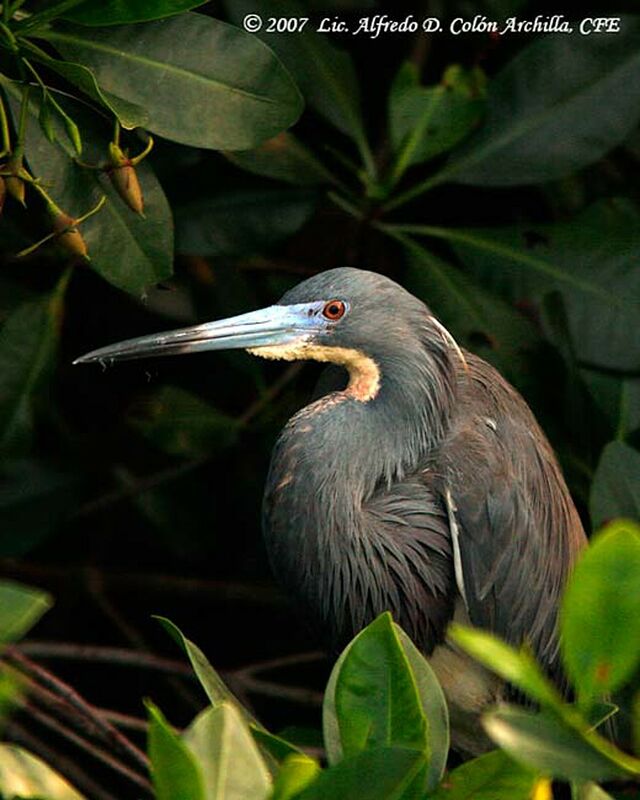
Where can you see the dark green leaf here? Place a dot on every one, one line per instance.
(23, 775)
(34, 496)
(230, 761)
(20, 608)
(615, 491)
(544, 743)
(384, 773)
(129, 115)
(241, 222)
(211, 682)
(591, 261)
(489, 777)
(472, 313)
(618, 398)
(174, 769)
(539, 129)
(516, 666)
(28, 340)
(591, 791)
(373, 699)
(325, 73)
(144, 245)
(285, 158)
(297, 772)
(182, 424)
(121, 12)
(600, 618)
(427, 121)
(190, 73)
(277, 747)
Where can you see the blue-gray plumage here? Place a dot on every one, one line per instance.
(422, 484)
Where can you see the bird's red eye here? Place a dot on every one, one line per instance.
(334, 309)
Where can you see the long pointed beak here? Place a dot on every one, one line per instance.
(268, 327)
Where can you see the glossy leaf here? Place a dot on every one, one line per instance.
(600, 617)
(28, 341)
(518, 667)
(590, 260)
(121, 12)
(591, 791)
(544, 743)
(215, 688)
(231, 763)
(378, 774)
(615, 491)
(24, 775)
(488, 777)
(190, 73)
(372, 699)
(539, 129)
(325, 73)
(296, 773)
(129, 114)
(427, 121)
(174, 769)
(182, 424)
(241, 222)
(144, 245)
(276, 746)
(20, 608)
(284, 158)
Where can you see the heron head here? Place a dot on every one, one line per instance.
(345, 316)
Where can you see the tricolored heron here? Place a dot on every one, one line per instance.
(422, 485)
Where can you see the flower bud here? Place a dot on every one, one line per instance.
(69, 237)
(123, 177)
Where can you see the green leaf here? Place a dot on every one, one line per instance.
(211, 682)
(615, 491)
(472, 313)
(128, 114)
(618, 398)
(192, 75)
(516, 666)
(543, 742)
(600, 615)
(284, 158)
(34, 497)
(591, 791)
(591, 261)
(297, 772)
(241, 222)
(28, 341)
(276, 746)
(427, 121)
(121, 12)
(489, 777)
(538, 129)
(144, 245)
(231, 763)
(382, 773)
(20, 608)
(182, 424)
(325, 73)
(23, 775)
(381, 692)
(174, 769)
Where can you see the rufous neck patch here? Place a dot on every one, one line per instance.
(364, 373)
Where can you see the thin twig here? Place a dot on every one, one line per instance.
(292, 660)
(123, 720)
(109, 655)
(50, 681)
(295, 694)
(16, 733)
(97, 752)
